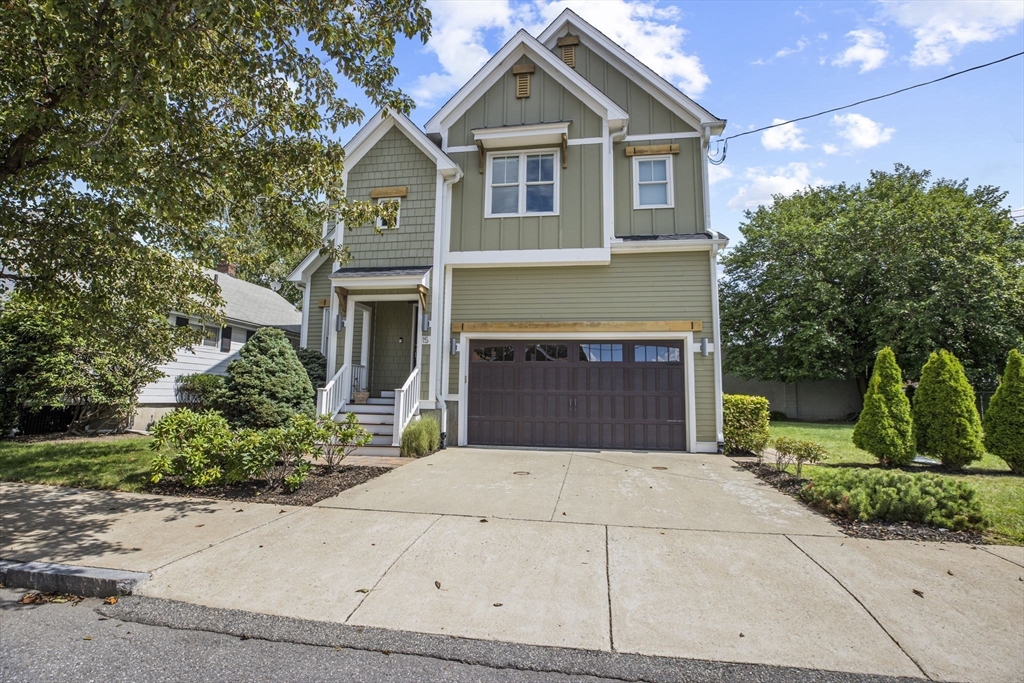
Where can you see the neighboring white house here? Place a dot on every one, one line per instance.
(247, 308)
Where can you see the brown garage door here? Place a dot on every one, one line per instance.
(607, 394)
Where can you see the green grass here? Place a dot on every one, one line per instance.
(1001, 494)
(121, 464)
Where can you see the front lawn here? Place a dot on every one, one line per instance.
(121, 463)
(1001, 494)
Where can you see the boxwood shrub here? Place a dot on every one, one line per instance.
(745, 423)
(892, 496)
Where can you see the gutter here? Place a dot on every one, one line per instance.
(438, 315)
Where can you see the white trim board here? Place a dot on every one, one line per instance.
(383, 121)
(381, 282)
(593, 256)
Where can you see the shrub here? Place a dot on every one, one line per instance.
(315, 365)
(777, 415)
(894, 496)
(266, 385)
(199, 392)
(885, 428)
(1004, 419)
(199, 448)
(745, 423)
(337, 440)
(421, 437)
(946, 421)
(288, 452)
(798, 452)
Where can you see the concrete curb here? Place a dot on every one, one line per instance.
(89, 582)
(492, 654)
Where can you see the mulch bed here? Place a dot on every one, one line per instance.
(320, 484)
(880, 531)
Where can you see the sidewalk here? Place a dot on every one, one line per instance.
(811, 600)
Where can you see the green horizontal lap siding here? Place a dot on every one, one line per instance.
(577, 225)
(394, 161)
(704, 395)
(319, 288)
(646, 115)
(548, 102)
(687, 214)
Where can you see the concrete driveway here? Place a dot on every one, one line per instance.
(657, 554)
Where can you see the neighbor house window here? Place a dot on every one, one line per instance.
(652, 182)
(211, 333)
(522, 184)
(390, 226)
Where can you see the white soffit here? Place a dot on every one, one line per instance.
(522, 136)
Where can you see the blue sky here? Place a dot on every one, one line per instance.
(757, 62)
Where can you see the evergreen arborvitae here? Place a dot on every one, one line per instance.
(266, 384)
(946, 421)
(885, 428)
(1004, 419)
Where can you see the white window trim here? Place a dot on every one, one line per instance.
(325, 330)
(522, 154)
(668, 178)
(398, 218)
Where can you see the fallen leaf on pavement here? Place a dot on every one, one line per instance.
(437, 585)
(199, 525)
(363, 590)
(112, 600)
(87, 638)
(918, 593)
(497, 604)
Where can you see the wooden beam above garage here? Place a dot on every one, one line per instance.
(616, 326)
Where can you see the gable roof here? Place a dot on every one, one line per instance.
(383, 121)
(637, 71)
(522, 43)
(247, 302)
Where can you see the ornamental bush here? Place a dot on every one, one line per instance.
(893, 496)
(199, 392)
(745, 423)
(1004, 419)
(421, 437)
(198, 448)
(798, 452)
(885, 428)
(946, 421)
(337, 440)
(266, 385)
(315, 365)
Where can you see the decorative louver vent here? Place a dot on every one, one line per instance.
(522, 73)
(568, 45)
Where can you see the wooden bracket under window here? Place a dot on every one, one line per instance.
(643, 150)
(389, 192)
(565, 151)
(481, 153)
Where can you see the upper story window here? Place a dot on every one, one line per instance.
(393, 225)
(522, 184)
(652, 182)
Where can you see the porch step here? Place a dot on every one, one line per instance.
(387, 394)
(365, 419)
(381, 440)
(391, 451)
(380, 401)
(369, 408)
(388, 429)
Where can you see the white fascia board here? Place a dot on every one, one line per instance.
(522, 43)
(383, 121)
(594, 256)
(354, 284)
(636, 70)
(522, 136)
(648, 246)
(309, 264)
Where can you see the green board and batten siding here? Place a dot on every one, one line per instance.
(654, 286)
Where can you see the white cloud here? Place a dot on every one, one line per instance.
(787, 51)
(942, 29)
(829, 149)
(457, 40)
(860, 131)
(716, 174)
(868, 50)
(644, 28)
(764, 184)
(788, 137)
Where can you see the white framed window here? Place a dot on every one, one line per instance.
(325, 330)
(211, 333)
(522, 183)
(398, 216)
(652, 182)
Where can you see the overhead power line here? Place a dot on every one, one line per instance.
(847, 106)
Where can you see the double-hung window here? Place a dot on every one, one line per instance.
(390, 225)
(522, 184)
(652, 182)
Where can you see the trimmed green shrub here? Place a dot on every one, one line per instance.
(337, 440)
(1004, 419)
(885, 428)
(199, 392)
(421, 437)
(315, 365)
(946, 421)
(798, 452)
(745, 423)
(199, 448)
(893, 496)
(266, 384)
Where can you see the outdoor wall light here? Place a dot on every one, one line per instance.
(455, 347)
(704, 346)
(425, 321)
(400, 340)
(339, 323)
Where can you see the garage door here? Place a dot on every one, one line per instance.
(607, 394)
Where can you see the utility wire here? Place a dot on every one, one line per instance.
(855, 104)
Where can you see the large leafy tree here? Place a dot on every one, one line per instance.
(828, 276)
(130, 132)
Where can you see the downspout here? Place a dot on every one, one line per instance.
(446, 219)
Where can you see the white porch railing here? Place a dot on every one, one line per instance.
(335, 394)
(358, 378)
(407, 400)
